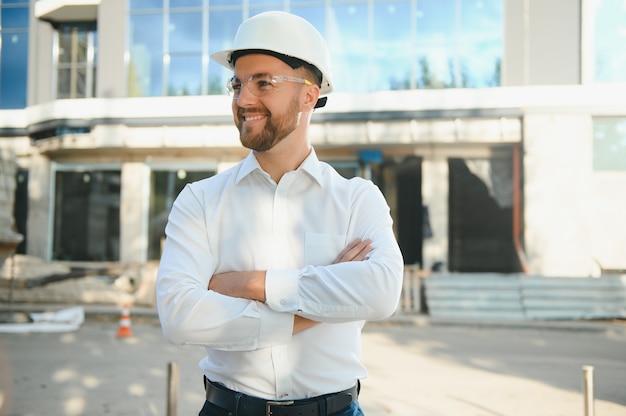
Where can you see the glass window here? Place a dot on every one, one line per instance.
(234, 3)
(375, 45)
(165, 185)
(278, 4)
(13, 53)
(14, 17)
(609, 144)
(87, 216)
(174, 4)
(459, 43)
(13, 70)
(392, 44)
(434, 42)
(222, 28)
(480, 44)
(350, 47)
(609, 41)
(185, 60)
(185, 75)
(76, 61)
(145, 4)
(146, 56)
(185, 32)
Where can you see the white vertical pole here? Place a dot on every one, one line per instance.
(588, 390)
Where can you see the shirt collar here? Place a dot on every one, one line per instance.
(311, 165)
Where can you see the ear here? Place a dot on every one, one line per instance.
(312, 93)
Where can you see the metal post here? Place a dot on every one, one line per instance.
(172, 388)
(588, 390)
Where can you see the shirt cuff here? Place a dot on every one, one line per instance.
(281, 290)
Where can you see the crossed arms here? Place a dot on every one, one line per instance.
(251, 284)
(202, 301)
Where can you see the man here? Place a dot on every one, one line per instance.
(275, 264)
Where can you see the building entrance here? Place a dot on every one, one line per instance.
(410, 212)
(87, 216)
(481, 216)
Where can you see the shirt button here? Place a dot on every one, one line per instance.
(283, 302)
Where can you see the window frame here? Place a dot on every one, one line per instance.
(89, 65)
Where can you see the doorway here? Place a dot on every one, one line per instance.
(410, 212)
(481, 216)
(87, 215)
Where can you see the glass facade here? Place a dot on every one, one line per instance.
(375, 45)
(13, 53)
(609, 144)
(609, 40)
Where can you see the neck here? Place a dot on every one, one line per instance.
(282, 158)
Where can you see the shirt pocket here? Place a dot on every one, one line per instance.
(322, 249)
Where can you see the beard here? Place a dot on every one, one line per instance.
(276, 128)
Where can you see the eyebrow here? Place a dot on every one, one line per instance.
(258, 74)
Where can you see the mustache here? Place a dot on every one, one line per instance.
(243, 111)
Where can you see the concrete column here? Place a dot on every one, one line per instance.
(435, 197)
(40, 198)
(557, 186)
(134, 212)
(111, 74)
(9, 238)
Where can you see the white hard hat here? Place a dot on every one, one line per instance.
(285, 34)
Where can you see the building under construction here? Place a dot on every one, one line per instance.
(496, 129)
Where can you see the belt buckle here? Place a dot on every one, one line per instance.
(270, 403)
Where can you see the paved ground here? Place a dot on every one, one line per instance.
(422, 369)
(418, 366)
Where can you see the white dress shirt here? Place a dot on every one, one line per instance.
(241, 220)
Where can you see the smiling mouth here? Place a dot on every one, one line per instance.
(253, 118)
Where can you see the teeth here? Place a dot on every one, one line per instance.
(252, 118)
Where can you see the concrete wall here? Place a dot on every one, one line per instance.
(111, 75)
(40, 88)
(607, 201)
(541, 42)
(9, 238)
(40, 197)
(557, 185)
(134, 212)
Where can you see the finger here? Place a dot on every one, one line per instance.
(359, 252)
(356, 251)
(345, 251)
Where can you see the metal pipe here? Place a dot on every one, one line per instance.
(172, 388)
(588, 390)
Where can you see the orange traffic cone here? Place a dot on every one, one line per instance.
(124, 330)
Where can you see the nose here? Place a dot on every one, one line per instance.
(245, 95)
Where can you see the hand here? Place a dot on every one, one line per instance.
(251, 284)
(300, 324)
(356, 251)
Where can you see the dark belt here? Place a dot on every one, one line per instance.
(239, 404)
